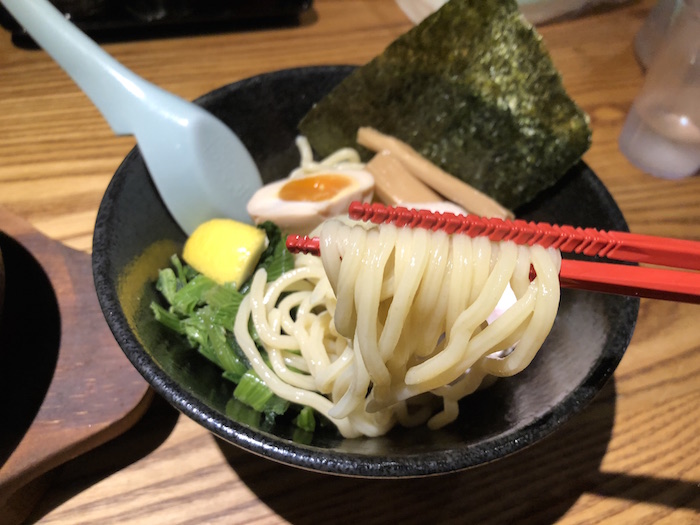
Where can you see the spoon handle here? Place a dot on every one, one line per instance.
(117, 92)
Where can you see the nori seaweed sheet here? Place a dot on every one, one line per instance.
(473, 89)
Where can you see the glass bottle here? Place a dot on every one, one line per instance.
(654, 30)
(661, 135)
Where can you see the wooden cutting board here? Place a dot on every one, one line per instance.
(91, 395)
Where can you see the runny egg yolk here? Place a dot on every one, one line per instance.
(315, 188)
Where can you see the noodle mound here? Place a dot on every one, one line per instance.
(389, 325)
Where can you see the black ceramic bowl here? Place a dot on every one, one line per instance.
(135, 236)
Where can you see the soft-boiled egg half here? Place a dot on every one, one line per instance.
(303, 200)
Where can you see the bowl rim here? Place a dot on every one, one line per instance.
(329, 460)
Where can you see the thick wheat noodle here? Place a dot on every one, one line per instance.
(347, 157)
(389, 325)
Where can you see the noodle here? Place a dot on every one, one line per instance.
(389, 324)
(347, 158)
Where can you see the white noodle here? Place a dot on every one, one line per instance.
(389, 324)
(344, 158)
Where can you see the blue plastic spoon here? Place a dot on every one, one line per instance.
(200, 167)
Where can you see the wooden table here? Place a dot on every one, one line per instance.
(633, 456)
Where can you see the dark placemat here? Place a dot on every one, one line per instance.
(124, 20)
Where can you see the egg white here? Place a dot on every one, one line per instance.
(303, 216)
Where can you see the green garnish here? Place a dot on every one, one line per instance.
(276, 259)
(252, 391)
(205, 312)
(306, 420)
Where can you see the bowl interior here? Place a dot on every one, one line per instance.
(135, 236)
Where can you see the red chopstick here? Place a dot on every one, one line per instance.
(639, 281)
(621, 246)
(636, 281)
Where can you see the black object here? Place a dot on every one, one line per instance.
(28, 355)
(123, 20)
(135, 235)
(474, 91)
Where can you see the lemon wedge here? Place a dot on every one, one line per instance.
(225, 250)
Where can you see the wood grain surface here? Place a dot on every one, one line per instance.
(92, 392)
(632, 457)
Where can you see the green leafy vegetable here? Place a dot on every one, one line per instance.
(167, 283)
(252, 391)
(276, 259)
(228, 359)
(306, 420)
(473, 89)
(168, 318)
(192, 294)
(205, 312)
(243, 413)
(224, 296)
